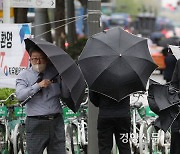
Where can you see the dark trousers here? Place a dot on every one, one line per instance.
(175, 143)
(120, 127)
(42, 133)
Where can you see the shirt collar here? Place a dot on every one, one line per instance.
(35, 72)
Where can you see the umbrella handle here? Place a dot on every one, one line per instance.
(30, 97)
(54, 77)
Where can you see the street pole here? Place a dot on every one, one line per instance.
(6, 11)
(94, 7)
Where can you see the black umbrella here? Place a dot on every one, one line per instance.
(66, 67)
(164, 96)
(116, 63)
(163, 100)
(169, 41)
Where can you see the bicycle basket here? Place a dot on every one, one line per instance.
(142, 111)
(149, 112)
(19, 112)
(67, 113)
(3, 111)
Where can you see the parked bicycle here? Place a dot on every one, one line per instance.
(12, 127)
(76, 129)
(19, 135)
(5, 133)
(142, 119)
(138, 125)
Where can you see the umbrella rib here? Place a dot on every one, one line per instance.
(133, 46)
(107, 66)
(138, 58)
(104, 94)
(115, 50)
(134, 70)
(94, 56)
(105, 44)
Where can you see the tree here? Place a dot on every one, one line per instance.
(20, 15)
(128, 6)
(41, 17)
(71, 36)
(59, 15)
(84, 3)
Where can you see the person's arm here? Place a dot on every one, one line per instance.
(94, 98)
(23, 90)
(176, 76)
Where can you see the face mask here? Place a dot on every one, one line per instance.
(39, 67)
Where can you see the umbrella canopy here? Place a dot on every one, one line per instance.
(166, 118)
(66, 67)
(169, 41)
(164, 96)
(163, 100)
(116, 63)
(175, 50)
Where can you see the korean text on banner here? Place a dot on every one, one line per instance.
(13, 56)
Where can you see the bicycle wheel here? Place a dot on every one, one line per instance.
(154, 141)
(2, 137)
(84, 135)
(69, 139)
(164, 141)
(75, 141)
(19, 139)
(143, 139)
(133, 143)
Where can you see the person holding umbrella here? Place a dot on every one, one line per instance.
(170, 62)
(175, 128)
(44, 122)
(115, 64)
(113, 119)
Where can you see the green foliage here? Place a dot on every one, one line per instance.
(4, 93)
(128, 6)
(75, 50)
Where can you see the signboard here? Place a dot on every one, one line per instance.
(11, 15)
(33, 3)
(13, 56)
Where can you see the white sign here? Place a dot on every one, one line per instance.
(33, 3)
(13, 56)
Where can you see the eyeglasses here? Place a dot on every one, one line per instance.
(34, 60)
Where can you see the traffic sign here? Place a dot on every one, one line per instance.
(33, 3)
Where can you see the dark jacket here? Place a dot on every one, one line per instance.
(176, 83)
(170, 62)
(110, 108)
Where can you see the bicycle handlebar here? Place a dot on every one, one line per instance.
(139, 93)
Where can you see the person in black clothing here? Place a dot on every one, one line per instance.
(114, 118)
(170, 62)
(175, 128)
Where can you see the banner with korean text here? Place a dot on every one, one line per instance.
(13, 56)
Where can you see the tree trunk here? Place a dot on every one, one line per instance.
(60, 32)
(71, 35)
(41, 17)
(84, 3)
(20, 15)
